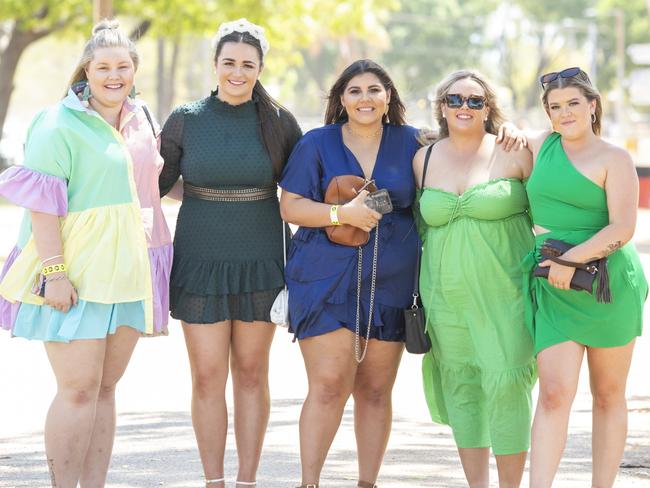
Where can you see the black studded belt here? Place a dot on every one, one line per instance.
(229, 195)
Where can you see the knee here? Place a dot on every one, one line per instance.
(249, 375)
(374, 395)
(206, 383)
(107, 391)
(329, 389)
(555, 396)
(608, 396)
(80, 394)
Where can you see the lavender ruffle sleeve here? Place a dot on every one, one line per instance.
(8, 311)
(35, 191)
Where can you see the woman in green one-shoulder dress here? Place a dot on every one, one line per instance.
(475, 226)
(583, 191)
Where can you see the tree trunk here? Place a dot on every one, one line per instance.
(18, 42)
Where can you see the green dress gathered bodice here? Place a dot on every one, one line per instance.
(480, 370)
(573, 208)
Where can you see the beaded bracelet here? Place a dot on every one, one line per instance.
(56, 278)
(54, 268)
(52, 258)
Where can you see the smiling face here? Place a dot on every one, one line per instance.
(238, 67)
(463, 118)
(365, 99)
(570, 112)
(110, 77)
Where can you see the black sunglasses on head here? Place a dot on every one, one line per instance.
(565, 73)
(456, 100)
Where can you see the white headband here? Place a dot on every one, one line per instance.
(242, 25)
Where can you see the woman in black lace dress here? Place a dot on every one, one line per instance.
(230, 149)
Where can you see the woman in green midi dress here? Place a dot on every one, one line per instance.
(583, 191)
(476, 229)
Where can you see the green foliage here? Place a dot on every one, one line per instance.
(430, 38)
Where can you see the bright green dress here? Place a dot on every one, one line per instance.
(573, 208)
(480, 371)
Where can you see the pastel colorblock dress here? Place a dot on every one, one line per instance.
(574, 208)
(103, 185)
(480, 371)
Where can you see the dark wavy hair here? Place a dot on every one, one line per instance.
(335, 112)
(277, 139)
(582, 82)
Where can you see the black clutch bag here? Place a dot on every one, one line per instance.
(585, 273)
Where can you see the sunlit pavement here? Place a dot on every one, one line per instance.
(155, 442)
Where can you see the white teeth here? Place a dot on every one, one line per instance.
(365, 109)
(233, 82)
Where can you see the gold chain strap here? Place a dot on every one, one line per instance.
(357, 346)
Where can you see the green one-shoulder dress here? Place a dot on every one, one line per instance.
(574, 208)
(480, 371)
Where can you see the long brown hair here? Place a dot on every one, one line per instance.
(494, 118)
(277, 140)
(335, 112)
(582, 82)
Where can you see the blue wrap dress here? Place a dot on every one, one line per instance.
(322, 276)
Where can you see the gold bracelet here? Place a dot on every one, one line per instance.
(334, 215)
(54, 268)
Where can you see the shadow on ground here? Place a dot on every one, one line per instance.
(158, 449)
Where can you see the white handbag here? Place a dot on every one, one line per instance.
(280, 308)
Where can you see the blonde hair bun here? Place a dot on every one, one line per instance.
(106, 24)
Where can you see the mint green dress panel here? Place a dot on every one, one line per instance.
(574, 208)
(60, 135)
(480, 371)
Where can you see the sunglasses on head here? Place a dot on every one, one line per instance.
(456, 100)
(565, 73)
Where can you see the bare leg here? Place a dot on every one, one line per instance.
(476, 465)
(608, 370)
(511, 469)
(331, 368)
(208, 347)
(249, 363)
(119, 347)
(77, 367)
(559, 370)
(373, 407)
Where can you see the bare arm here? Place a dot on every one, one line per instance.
(304, 212)
(59, 293)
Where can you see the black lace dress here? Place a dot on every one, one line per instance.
(228, 261)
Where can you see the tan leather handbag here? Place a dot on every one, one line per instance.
(340, 191)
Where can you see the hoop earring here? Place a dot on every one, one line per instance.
(593, 118)
(341, 112)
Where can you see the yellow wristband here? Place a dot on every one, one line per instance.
(334, 215)
(54, 268)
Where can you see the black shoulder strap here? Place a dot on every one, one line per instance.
(153, 128)
(426, 165)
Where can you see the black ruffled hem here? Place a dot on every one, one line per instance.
(214, 278)
(202, 309)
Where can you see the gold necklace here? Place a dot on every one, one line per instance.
(356, 134)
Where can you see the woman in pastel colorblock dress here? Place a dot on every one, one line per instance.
(476, 229)
(90, 272)
(583, 191)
